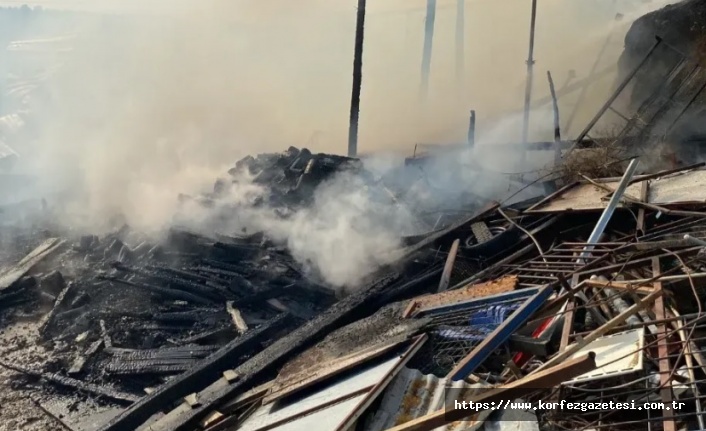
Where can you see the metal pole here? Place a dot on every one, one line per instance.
(428, 38)
(528, 87)
(357, 80)
(610, 209)
(557, 125)
(584, 89)
(460, 22)
(472, 129)
(617, 92)
(555, 105)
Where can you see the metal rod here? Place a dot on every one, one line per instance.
(616, 93)
(557, 125)
(555, 105)
(357, 80)
(460, 47)
(472, 129)
(428, 38)
(610, 209)
(584, 89)
(528, 87)
(687, 106)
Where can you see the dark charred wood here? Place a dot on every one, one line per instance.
(196, 377)
(78, 385)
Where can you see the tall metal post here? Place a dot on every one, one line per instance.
(472, 129)
(428, 38)
(528, 87)
(460, 48)
(357, 80)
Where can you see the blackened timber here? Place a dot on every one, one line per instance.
(73, 383)
(205, 370)
(176, 283)
(355, 306)
(161, 291)
(357, 80)
(46, 321)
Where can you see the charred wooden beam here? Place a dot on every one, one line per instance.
(354, 306)
(78, 385)
(204, 371)
(161, 291)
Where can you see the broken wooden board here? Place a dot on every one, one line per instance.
(12, 275)
(289, 384)
(237, 317)
(450, 297)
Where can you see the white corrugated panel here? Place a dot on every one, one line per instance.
(616, 354)
(318, 403)
(411, 395)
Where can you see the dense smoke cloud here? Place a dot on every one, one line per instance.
(146, 107)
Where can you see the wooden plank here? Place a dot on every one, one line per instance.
(528, 384)
(619, 286)
(352, 418)
(665, 390)
(238, 320)
(449, 266)
(318, 373)
(12, 275)
(246, 398)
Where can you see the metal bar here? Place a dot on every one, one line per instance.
(584, 88)
(472, 129)
(528, 86)
(612, 204)
(687, 106)
(557, 125)
(357, 80)
(528, 384)
(449, 266)
(665, 390)
(503, 332)
(644, 193)
(617, 92)
(426, 53)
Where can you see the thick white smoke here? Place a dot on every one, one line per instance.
(148, 106)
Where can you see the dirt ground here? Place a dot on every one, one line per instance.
(18, 412)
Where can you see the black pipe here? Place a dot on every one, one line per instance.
(357, 80)
(616, 93)
(528, 87)
(472, 129)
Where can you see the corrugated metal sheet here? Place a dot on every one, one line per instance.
(689, 187)
(322, 404)
(412, 395)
